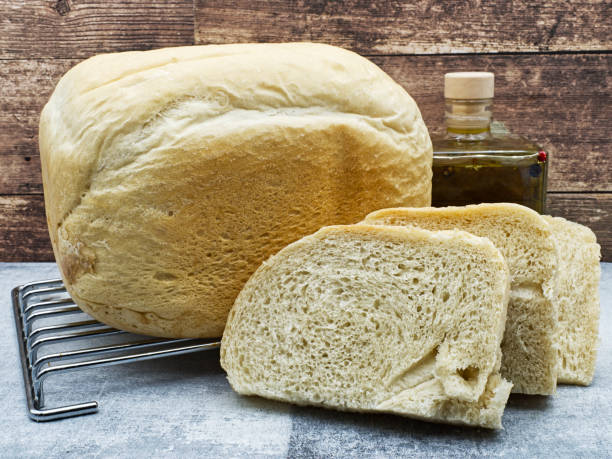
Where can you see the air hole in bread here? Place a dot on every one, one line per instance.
(163, 276)
(469, 374)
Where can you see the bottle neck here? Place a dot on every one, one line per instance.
(468, 119)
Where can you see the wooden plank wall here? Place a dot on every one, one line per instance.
(551, 60)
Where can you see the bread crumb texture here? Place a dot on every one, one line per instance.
(530, 345)
(578, 294)
(170, 175)
(372, 318)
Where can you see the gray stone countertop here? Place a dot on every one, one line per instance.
(183, 407)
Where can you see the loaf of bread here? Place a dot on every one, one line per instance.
(373, 318)
(170, 175)
(578, 294)
(524, 238)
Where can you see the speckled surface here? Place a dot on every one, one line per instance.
(183, 407)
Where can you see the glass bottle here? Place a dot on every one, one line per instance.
(478, 160)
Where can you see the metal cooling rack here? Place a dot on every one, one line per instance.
(47, 318)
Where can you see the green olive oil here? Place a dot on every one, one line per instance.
(478, 160)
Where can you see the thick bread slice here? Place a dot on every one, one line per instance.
(368, 318)
(578, 294)
(524, 238)
(171, 174)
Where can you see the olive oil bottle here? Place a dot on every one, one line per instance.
(478, 160)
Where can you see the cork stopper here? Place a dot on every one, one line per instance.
(469, 85)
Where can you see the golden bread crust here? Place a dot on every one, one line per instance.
(170, 175)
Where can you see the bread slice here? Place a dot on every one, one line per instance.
(170, 175)
(367, 318)
(578, 295)
(525, 239)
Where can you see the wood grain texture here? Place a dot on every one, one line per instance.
(82, 28)
(590, 209)
(26, 86)
(23, 229)
(562, 101)
(24, 237)
(400, 27)
(20, 174)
